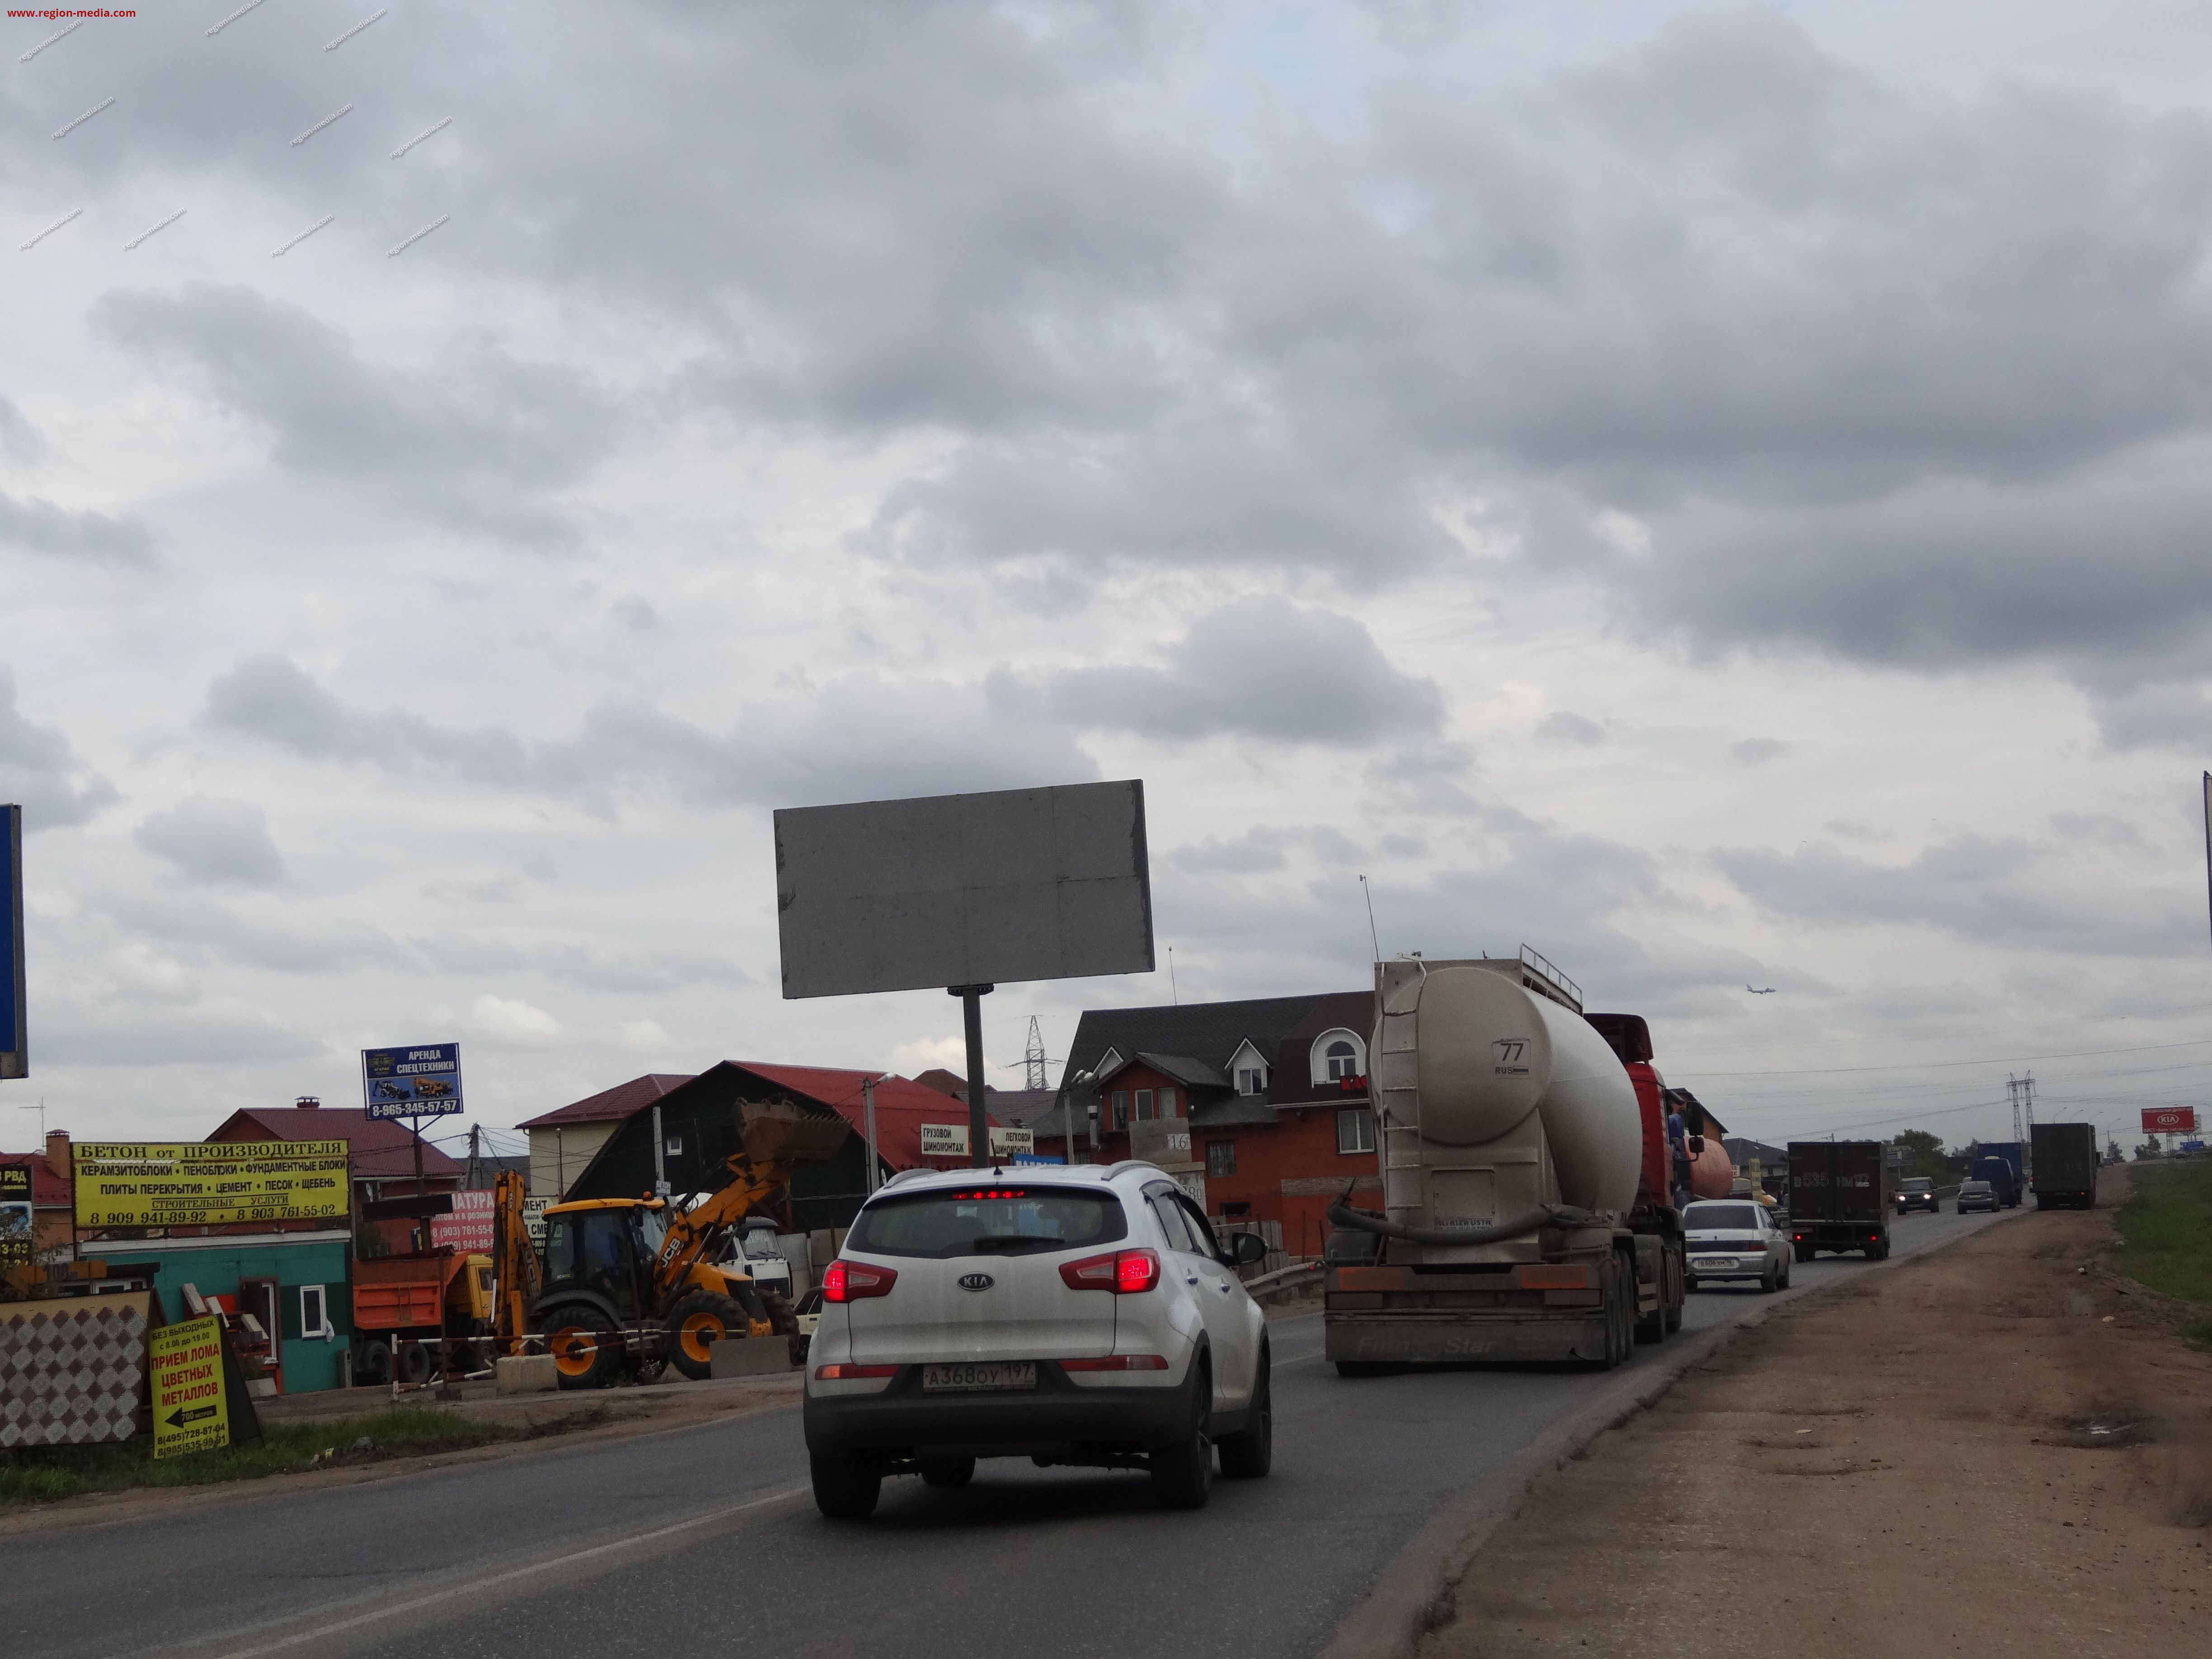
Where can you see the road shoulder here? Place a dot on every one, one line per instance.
(1999, 1441)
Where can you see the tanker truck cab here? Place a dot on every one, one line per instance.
(1528, 1212)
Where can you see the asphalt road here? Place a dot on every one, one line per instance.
(706, 1538)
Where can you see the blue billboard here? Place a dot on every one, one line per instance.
(15, 1043)
(420, 1080)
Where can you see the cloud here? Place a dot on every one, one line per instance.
(643, 1036)
(1259, 667)
(1563, 727)
(39, 770)
(19, 439)
(511, 1021)
(483, 440)
(220, 842)
(42, 527)
(856, 738)
(1998, 891)
(1757, 752)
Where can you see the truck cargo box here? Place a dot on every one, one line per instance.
(2065, 1164)
(1840, 1194)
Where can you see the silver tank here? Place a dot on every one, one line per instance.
(1494, 1097)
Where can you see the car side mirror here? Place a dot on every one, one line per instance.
(1247, 1249)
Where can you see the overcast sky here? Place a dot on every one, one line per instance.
(1717, 494)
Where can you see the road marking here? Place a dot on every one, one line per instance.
(475, 1585)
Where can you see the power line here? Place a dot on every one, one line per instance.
(1937, 1064)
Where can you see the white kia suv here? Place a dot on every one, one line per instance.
(1072, 1316)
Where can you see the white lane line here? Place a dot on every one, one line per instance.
(477, 1585)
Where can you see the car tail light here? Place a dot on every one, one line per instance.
(853, 1373)
(1118, 1362)
(1125, 1272)
(850, 1281)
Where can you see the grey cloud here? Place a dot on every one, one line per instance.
(202, 930)
(1757, 752)
(43, 527)
(18, 437)
(857, 736)
(1562, 726)
(1993, 891)
(223, 842)
(1259, 667)
(483, 439)
(40, 771)
(1263, 848)
(2162, 714)
(131, 1033)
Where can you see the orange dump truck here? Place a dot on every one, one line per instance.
(403, 1305)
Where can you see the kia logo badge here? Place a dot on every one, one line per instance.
(976, 1281)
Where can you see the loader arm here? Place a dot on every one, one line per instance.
(699, 1230)
(515, 1269)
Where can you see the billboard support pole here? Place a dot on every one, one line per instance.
(421, 1223)
(868, 1117)
(971, 1009)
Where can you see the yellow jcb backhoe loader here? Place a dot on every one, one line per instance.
(633, 1283)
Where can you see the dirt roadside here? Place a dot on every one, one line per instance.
(2001, 1445)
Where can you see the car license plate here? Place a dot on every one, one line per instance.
(991, 1374)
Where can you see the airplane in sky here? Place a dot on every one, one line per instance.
(1757, 992)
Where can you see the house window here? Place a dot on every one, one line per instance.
(314, 1314)
(1220, 1158)
(1144, 1112)
(1251, 1080)
(1121, 1108)
(1167, 1103)
(1355, 1130)
(1338, 1055)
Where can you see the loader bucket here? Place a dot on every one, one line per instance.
(778, 1132)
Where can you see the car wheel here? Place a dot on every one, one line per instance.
(845, 1488)
(947, 1471)
(1680, 1290)
(1785, 1275)
(1182, 1473)
(1771, 1280)
(1249, 1454)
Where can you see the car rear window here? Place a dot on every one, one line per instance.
(998, 1220)
(1720, 1218)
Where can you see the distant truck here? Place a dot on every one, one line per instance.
(417, 1315)
(2065, 1164)
(2004, 1164)
(1528, 1205)
(1840, 1197)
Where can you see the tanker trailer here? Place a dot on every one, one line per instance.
(1519, 1221)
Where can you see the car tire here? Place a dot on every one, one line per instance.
(845, 1488)
(947, 1472)
(1248, 1455)
(1785, 1275)
(1771, 1280)
(1681, 1290)
(585, 1348)
(1183, 1472)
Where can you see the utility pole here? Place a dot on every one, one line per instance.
(476, 1160)
(868, 1122)
(2021, 1091)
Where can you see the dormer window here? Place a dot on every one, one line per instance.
(1252, 1080)
(1338, 1055)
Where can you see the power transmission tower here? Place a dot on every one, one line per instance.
(1033, 1058)
(2021, 1091)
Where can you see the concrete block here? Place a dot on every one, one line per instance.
(533, 1373)
(751, 1356)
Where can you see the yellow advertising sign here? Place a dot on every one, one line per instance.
(192, 1401)
(131, 1184)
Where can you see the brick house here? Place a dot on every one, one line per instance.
(1274, 1091)
(52, 1195)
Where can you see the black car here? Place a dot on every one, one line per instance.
(1977, 1195)
(1917, 1192)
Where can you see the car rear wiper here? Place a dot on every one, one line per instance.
(1004, 1242)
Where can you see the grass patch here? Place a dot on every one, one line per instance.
(42, 1474)
(2165, 1235)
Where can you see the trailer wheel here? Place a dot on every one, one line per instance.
(1682, 1290)
(415, 1364)
(1652, 1327)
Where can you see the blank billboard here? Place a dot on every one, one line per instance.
(964, 889)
